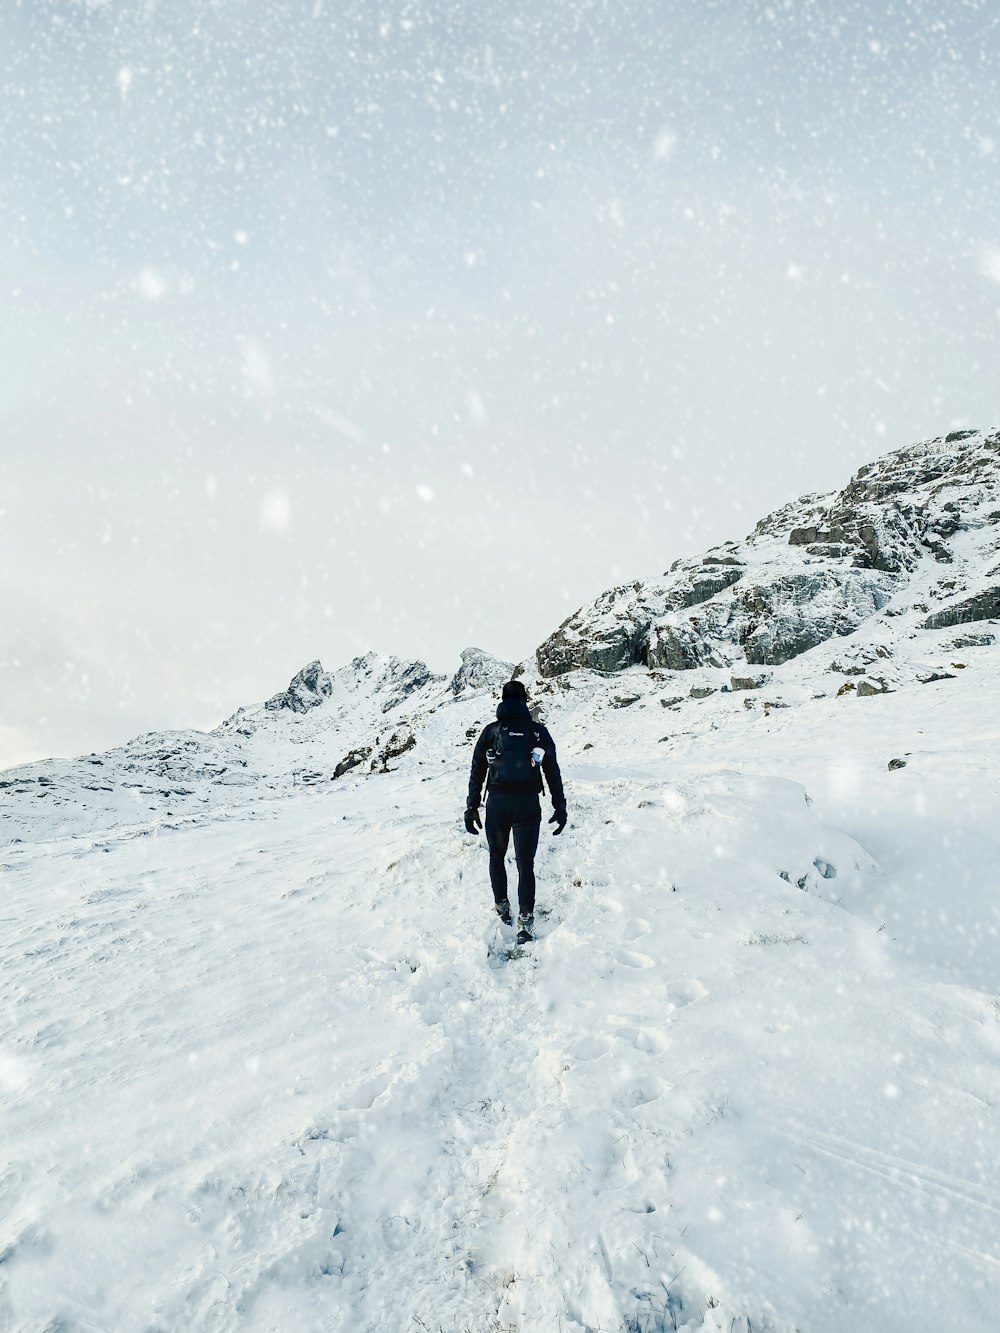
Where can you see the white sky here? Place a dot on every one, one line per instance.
(330, 327)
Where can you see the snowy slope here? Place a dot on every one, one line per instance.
(260, 1069)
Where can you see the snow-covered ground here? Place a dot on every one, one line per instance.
(261, 1068)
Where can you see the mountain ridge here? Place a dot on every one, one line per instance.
(812, 570)
(876, 571)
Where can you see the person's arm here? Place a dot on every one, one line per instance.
(550, 767)
(480, 764)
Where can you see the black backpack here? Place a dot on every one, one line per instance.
(509, 755)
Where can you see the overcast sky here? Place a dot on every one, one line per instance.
(329, 326)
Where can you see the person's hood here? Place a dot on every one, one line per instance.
(513, 710)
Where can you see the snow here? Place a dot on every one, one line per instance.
(262, 1067)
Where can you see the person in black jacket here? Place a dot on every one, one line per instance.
(511, 755)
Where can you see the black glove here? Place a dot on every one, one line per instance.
(472, 821)
(559, 819)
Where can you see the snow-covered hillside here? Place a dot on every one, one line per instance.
(261, 1069)
(914, 535)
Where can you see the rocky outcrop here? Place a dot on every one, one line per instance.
(306, 690)
(395, 679)
(984, 605)
(398, 744)
(675, 647)
(604, 637)
(479, 671)
(814, 570)
(856, 659)
(792, 613)
(737, 683)
(351, 760)
(871, 687)
(626, 626)
(886, 538)
(701, 585)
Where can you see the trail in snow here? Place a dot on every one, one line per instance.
(262, 1074)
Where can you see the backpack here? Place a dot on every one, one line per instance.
(509, 755)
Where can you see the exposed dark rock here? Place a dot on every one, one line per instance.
(604, 637)
(701, 691)
(896, 763)
(398, 744)
(938, 550)
(746, 682)
(803, 536)
(624, 700)
(889, 536)
(795, 612)
(407, 678)
(796, 514)
(867, 688)
(702, 586)
(352, 760)
(984, 605)
(845, 556)
(949, 521)
(857, 658)
(306, 690)
(832, 550)
(676, 647)
(973, 640)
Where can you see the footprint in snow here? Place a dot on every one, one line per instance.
(591, 1048)
(686, 992)
(631, 958)
(649, 1089)
(651, 1040)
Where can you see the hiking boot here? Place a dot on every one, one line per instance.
(525, 928)
(503, 912)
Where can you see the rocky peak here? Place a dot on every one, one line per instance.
(393, 678)
(305, 690)
(479, 671)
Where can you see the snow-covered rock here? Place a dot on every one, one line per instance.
(306, 690)
(814, 570)
(479, 671)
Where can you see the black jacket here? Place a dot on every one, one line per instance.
(515, 710)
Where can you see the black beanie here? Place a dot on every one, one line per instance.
(514, 689)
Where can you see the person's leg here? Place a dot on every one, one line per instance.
(527, 822)
(498, 821)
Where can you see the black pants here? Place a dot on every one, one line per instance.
(522, 815)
